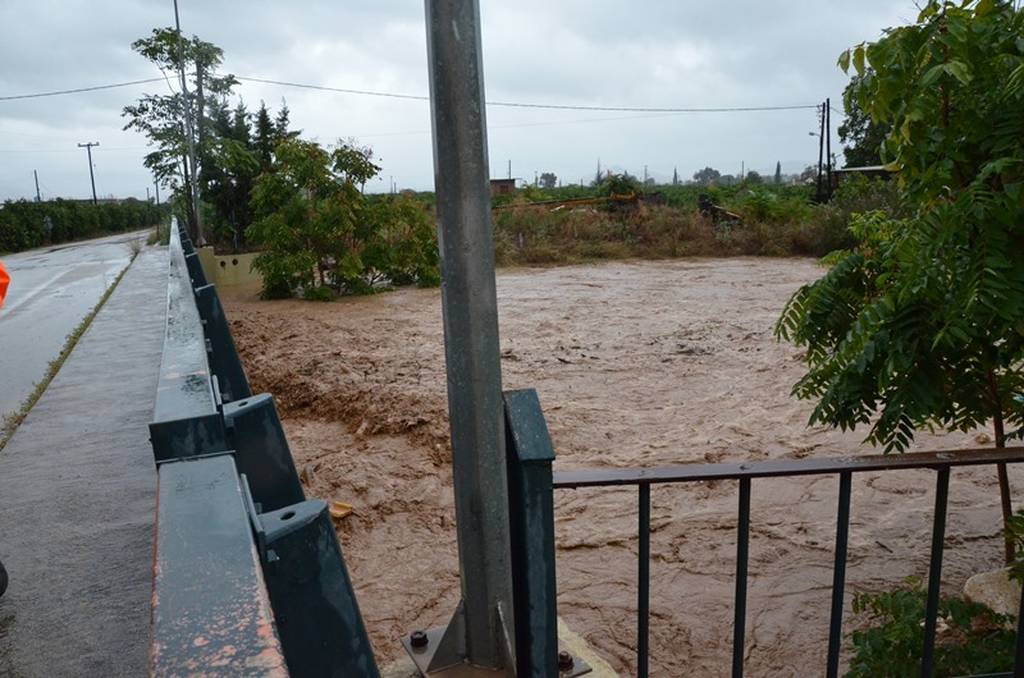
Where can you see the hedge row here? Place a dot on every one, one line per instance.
(24, 225)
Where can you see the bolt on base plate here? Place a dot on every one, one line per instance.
(422, 654)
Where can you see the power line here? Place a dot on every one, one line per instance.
(515, 104)
(77, 90)
(420, 97)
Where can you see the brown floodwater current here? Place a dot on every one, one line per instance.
(636, 364)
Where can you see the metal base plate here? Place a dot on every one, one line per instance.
(423, 656)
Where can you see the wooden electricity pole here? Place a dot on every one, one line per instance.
(92, 178)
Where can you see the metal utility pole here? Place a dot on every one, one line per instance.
(828, 144)
(481, 632)
(189, 132)
(821, 151)
(92, 177)
(35, 174)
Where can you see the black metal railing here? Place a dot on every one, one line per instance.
(843, 467)
(530, 569)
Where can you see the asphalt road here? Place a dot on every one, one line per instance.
(51, 290)
(77, 498)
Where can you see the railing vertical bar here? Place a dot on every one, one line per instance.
(644, 582)
(835, 626)
(935, 571)
(742, 553)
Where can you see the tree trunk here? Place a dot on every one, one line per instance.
(190, 216)
(1004, 479)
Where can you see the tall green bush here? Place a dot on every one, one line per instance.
(24, 225)
(318, 231)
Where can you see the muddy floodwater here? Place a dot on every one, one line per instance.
(636, 364)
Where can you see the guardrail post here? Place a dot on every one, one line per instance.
(224, 360)
(195, 270)
(254, 430)
(532, 530)
(317, 615)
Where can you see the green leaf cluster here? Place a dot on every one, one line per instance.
(973, 640)
(319, 232)
(921, 323)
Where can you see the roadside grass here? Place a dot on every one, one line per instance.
(161, 235)
(11, 421)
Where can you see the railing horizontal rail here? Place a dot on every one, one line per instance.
(940, 462)
(772, 468)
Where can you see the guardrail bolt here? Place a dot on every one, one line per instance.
(565, 661)
(418, 639)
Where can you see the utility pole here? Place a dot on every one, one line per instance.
(147, 193)
(481, 632)
(821, 152)
(156, 187)
(828, 143)
(189, 132)
(645, 175)
(509, 169)
(35, 174)
(92, 178)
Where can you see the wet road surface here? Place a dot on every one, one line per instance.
(77, 498)
(51, 290)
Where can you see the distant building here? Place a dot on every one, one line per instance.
(502, 187)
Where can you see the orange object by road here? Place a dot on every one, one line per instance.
(5, 280)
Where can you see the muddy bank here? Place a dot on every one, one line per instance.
(636, 363)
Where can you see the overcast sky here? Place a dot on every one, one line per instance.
(658, 53)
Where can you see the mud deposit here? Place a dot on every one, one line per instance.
(637, 364)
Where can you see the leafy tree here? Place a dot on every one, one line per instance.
(618, 184)
(159, 116)
(861, 135)
(265, 137)
(754, 177)
(231, 169)
(809, 174)
(778, 173)
(548, 180)
(320, 234)
(707, 176)
(675, 176)
(922, 324)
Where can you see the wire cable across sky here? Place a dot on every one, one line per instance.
(516, 104)
(420, 97)
(77, 90)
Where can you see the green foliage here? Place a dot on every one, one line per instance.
(920, 324)
(707, 176)
(862, 137)
(618, 184)
(159, 116)
(1015, 533)
(24, 225)
(973, 639)
(319, 232)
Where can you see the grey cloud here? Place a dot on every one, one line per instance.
(655, 53)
